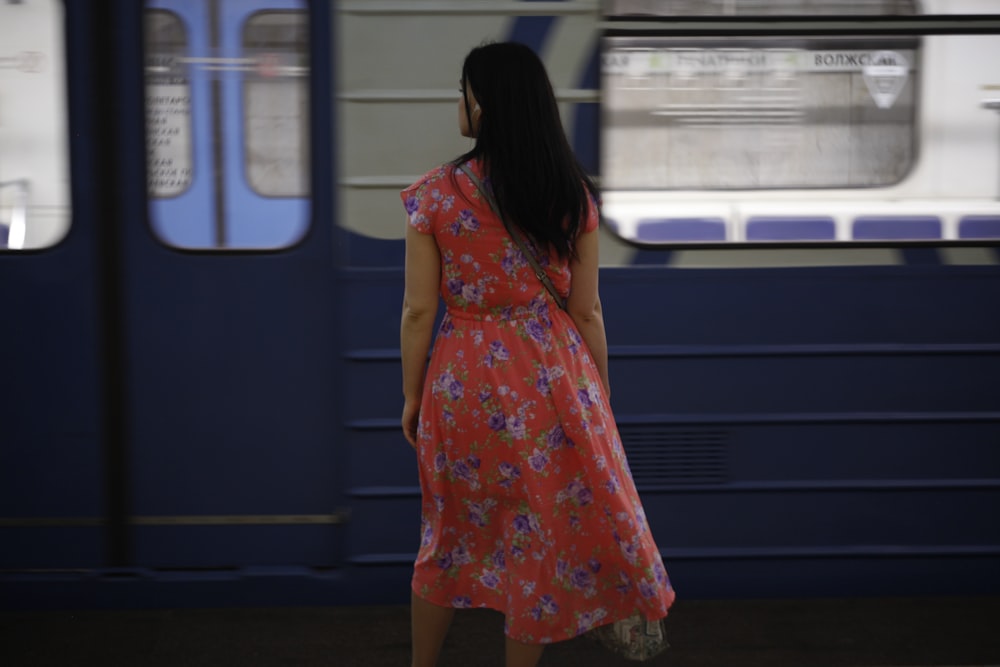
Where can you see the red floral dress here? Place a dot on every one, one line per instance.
(528, 504)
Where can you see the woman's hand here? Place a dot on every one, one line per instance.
(411, 419)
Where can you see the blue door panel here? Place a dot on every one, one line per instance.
(232, 375)
(236, 547)
(235, 415)
(233, 392)
(52, 429)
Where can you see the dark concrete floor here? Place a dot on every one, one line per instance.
(743, 633)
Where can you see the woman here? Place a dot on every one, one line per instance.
(528, 504)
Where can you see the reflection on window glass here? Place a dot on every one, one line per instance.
(34, 183)
(753, 114)
(168, 106)
(276, 104)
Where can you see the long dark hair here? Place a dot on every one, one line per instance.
(538, 183)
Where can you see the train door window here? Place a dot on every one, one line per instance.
(276, 104)
(168, 106)
(227, 123)
(34, 168)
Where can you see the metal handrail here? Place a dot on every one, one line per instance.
(463, 7)
(395, 95)
(799, 26)
(19, 214)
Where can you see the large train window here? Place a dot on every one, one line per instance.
(276, 104)
(227, 122)
(34, 170)
(752, 113)
(759, 121)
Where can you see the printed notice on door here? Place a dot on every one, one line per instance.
(168, 133)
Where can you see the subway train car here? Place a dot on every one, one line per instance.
(201, 268)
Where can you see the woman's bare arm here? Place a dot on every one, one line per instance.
(420, 303)
(584, 304)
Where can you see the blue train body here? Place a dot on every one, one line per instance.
(191, 422)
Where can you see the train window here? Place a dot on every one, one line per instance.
(276, 104)
(695, 114)
(168, 106)
(227, 123)
(34, 170)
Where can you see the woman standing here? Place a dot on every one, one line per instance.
(528, 504)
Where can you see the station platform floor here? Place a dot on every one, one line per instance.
(859, 632)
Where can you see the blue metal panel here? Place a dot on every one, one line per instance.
(179, 547)
(913, 227)
(979, 227)
(365, 251)
(791, 229)
(780, 384)
(532, 31)
(713, 523)
(587, 117)
(802, 306)
(57, 547)
(658, 230)
(857, 407)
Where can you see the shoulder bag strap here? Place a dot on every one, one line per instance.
(514, 234)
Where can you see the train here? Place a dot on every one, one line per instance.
(201, 260)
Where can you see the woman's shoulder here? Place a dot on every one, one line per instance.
(438, 177)
(432, 194)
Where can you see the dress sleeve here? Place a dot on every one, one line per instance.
(415, 212)
(422, 201)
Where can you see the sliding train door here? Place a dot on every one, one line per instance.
(230, 294)
(52, 384)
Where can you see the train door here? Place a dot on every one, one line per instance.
(231, 337)
(51, 382)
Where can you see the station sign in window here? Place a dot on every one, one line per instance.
(34, 166)
(753, 114)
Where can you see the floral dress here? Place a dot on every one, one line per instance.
(528, 504)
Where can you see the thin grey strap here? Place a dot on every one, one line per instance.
(514, 234)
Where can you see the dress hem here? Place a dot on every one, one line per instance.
(556, 638)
